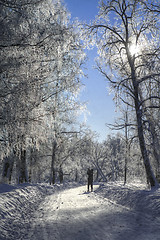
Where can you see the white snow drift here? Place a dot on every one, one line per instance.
(68, 212)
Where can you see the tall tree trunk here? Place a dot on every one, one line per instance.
(53, 171)
(76, 176)
(150, 175)
(30, 165)
(8, 163)
(126, 148)
(22, 168)
(155, 144)
(154, 136)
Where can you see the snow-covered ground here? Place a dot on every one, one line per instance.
(68, 212)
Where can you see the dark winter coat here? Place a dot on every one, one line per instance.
(90, 175)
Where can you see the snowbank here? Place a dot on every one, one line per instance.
(19, 203)
(16, 206)
(134, 196)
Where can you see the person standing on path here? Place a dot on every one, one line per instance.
(90, 178)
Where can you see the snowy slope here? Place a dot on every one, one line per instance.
(67, 212)
(17, 203)
(135, 195)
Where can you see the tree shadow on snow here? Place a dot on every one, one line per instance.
(91, 223)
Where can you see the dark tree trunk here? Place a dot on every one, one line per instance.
(76, 177)
(125, 171)
(30, 166)
(22, 167)
(138, 108)
(155, 144)
(53, 172)
(126, 148)
(150, 175)
(8, 168)
(154, 136)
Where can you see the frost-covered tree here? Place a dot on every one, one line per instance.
(127, 37)
(41, 56)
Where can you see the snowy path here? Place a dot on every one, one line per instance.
(73, 214)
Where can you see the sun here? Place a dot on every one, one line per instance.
(134, 49)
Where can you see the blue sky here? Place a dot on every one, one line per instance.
(100, 103)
